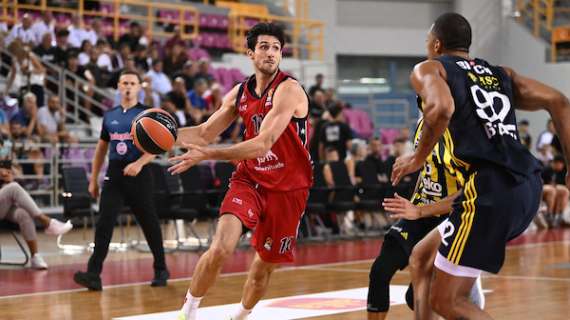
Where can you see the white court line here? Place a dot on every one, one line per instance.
(521, 246)
(515, 277)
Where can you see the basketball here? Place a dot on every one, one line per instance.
(154, 131)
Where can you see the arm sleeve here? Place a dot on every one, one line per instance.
(104, 133)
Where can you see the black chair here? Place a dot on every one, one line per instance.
(344, 191)
(316, 205)
(171, 201)
(77, 203)
(371, 192)
(196, 195)
(12, 228)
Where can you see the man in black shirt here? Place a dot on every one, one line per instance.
(61, 49)
(335, 133)
(318, 86)
(45, 51)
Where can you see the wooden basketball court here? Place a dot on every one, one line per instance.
(534, 283)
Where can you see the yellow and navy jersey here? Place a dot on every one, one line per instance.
(483, 128)
(441, 176)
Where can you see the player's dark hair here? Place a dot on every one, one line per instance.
(130, 72)
(264, 28)
(453, 30)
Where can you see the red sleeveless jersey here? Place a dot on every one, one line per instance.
(287, 165)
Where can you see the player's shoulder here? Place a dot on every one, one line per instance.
(290, 87)
(429, 66)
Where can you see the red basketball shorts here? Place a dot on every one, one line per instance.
(273, 216)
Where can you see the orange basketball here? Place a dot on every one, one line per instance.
(154, 131)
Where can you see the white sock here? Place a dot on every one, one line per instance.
(190, 306)
(241, 313)
(476, 296)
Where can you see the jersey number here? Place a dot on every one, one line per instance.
(493, 107)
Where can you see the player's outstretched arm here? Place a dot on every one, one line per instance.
(402, 208)
(428, 80)
(219, 121)
(287, 99)
(532, 95)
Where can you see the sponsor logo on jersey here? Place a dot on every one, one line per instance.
(237, 201)
(250, 213)
(242, 107)
(268, 243)
(120, 136)
(404, 235)
(285, 245)
(114, 122)
(268, 102)
(121, 148)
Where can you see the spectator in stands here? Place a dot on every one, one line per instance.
(61, 47)
(524, 135)
(3, 28)
(142, 60)
(335, 133)
(383, 164)
(46, 50)
(407, 185)
(545, 137)
(405, 136)
(196, 95)
(85, 52)
(147, 95)
(104, 53)
(204, 70)
(81, 73)
(77, 33)
(17, 206)
(554, 177)
(174, 60)
(317, 104)
(101, 76)
(134, 37)
(318, 86)
(51, 122)
(27, 116)
(129, 66)
(330, 96)
(160, 81)
(189, 73)
(168, 106)
(43, 26)
(4, 124)
(22, 31)
(179, 98)
(27, 72)
(120, 58)
(214, 98)
(91, 34)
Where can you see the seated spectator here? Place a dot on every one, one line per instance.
(51, 122)
(26, 72)
(407, 185)
(148, 96)
(142, 60)
(134, 37)
(85, 52)
(17, 206)
(179, 98)
(23, 32)
(24, 148)
(46, 50)
(120, 58)
(104, 55)
(77, 32)
(318, 86)
(4, 126)
(61, 47)
(188, 73)
(335, 133)
(204, 70)
(214, 98)
(196, 95)
(555, 192)
(160, 82)
(27, 116)
(174, 60)
(43, 26)
(524, 135)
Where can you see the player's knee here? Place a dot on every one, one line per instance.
(441, 301)
(219, 253)
(417, 263)
(382, 271)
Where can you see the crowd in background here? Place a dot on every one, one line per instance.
(186, 88)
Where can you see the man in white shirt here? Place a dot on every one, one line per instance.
(42, 26)
(76, 33)
(22, 31)
(160, 81)
(51, 122)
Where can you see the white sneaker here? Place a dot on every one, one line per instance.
(57, 228)
(38, 262)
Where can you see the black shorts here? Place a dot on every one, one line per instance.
(493, 208)
(409, 232)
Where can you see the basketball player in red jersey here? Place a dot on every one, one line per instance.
(269, 189)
